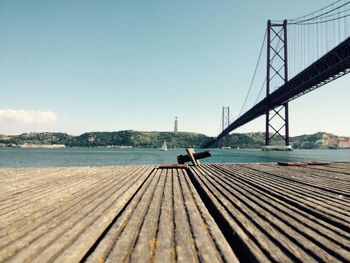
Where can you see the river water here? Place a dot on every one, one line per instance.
(17, 157)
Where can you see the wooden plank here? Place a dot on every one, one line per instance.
(67, 201)
(76, 228)
(274, 217)
(169, 223)
(310, 198)
(100, 219)
(184, 240)
(246, 248)
(292, 222)
(210, 243)
(214, 213)
(105, 245)
(330, 182)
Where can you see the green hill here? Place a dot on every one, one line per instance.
(36, 138)
(96, 139)
(140, 139)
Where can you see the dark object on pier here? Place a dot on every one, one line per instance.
(192, 156)
(302, 163)
(173, 166)
(318, 163)
(292, 163)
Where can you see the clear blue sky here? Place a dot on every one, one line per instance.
(115, 65)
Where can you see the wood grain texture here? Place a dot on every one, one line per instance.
(282, 213)
(207, 213)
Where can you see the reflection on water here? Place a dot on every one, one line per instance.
(16, 157)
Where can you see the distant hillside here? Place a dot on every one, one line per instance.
(140, 139)
(95, 139)
(36, 138)
(178, 140)
(244, 141)
(320, 140)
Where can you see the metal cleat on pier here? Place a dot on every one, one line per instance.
(192, 156)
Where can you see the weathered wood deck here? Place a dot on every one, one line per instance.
(210, 213)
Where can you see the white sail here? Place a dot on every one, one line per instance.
(164, 146)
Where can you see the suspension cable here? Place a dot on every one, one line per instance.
(322, 21)
(261, 89)
(331, 15)
(320, 15)
(314, 12)
(255, 70)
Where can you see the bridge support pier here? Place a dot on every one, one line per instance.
(276, 74)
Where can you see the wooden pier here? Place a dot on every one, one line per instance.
(207, 213)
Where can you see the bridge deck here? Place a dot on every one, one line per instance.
(211, 213)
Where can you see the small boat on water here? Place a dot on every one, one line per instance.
(164, 146)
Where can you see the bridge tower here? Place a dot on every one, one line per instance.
(224, 124)
(277, 72)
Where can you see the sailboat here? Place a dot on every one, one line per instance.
(164, 146)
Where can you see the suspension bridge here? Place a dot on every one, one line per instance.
(302, 54)
(252, 212)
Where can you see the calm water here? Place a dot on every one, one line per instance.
(12, 157)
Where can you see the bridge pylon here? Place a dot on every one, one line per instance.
(277, 120)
